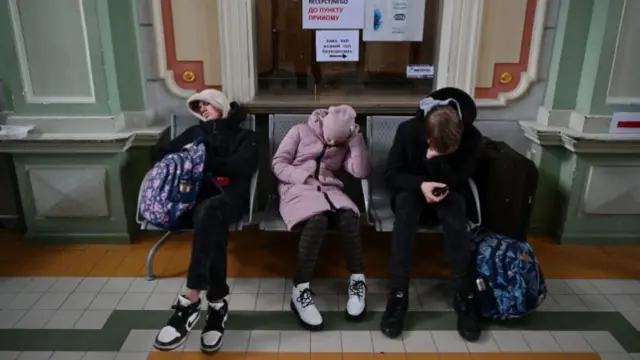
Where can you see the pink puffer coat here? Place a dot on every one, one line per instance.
(296, 160)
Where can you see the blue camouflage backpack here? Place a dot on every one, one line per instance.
(509, 281)
(172, 186)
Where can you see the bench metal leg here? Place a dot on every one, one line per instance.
(152, 254)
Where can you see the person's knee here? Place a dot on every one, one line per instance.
(451, 212)
(453, 205)
(317, 222)
(210, 210)
(347, 214)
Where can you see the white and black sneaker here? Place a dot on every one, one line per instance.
(184, 318)
(213, 331)
(357, 302)
(302, 305)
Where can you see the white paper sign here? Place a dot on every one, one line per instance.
(420, 71)
(625, 123)
(333, 14)
(394, 20)
(14, 132)
(337, 45)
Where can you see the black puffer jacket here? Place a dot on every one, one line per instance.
(232, 152)
(407, 166)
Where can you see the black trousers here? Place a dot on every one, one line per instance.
(208, 268)
(411, 209)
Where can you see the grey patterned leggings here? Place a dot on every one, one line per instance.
(313, 234)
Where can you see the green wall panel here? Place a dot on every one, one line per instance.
(11, 70)
(123, 175)
(599, 53)
(576, 226)
(574, 18)
(546, 213)
(126, 54)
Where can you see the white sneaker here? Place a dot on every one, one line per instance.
(183, 320)
(357, 302)
(213, 331)
(302, 305)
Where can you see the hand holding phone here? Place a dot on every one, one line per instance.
(440, 191)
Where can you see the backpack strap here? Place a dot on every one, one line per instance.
(215, 182)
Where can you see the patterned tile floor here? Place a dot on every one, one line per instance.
(98, 317)
(90, 302)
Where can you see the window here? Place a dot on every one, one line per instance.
(285, 57)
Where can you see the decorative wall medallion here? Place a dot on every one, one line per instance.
(182, 70)
(506, 77)
(189, 76)
(508, 53)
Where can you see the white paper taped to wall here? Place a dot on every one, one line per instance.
(337, 45)
(13, 132)
(394, 20)
(333, 14)
(420, 71)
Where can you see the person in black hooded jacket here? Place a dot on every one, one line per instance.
(232, 159)
(430, 162)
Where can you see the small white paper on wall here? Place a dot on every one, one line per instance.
(420, 71)
(394, 20)
(337, 45)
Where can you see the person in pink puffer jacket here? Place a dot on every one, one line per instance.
(311, 196)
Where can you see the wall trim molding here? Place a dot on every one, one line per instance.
(588, 124)
(237, 43)
(530, 75)
(161, 60)
(619, 100)
(23, 62)
(236, 24)
(85, 133)
(52, 145)
(85, 143)
(579, 142)
(460, 30)
(460, 26)
(125, 121)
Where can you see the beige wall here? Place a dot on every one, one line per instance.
(197, 37)
(500, 37)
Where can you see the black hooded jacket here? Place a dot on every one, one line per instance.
(232, 152)
(407, 166)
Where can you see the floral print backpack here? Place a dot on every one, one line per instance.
(172, 186)
(509, 280)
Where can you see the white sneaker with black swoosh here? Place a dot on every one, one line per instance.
(213, 331)
(184, 318)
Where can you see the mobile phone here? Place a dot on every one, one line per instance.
(440, 191)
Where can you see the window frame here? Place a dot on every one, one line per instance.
(460, 25)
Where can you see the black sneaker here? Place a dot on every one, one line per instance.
(213, 331)
(392, 322)
(184, 318)
(466, 306)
